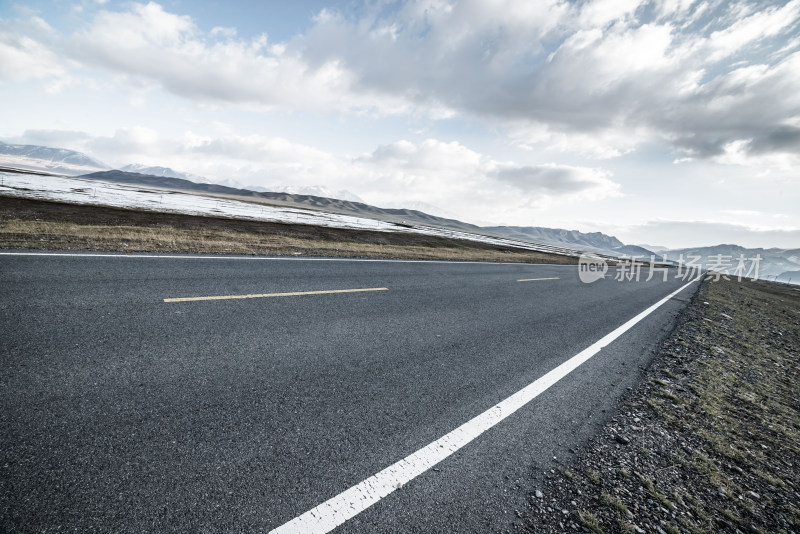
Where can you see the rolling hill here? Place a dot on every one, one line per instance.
(595, 241)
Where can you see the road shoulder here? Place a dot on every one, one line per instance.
(708, 442)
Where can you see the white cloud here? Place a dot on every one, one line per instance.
(429, 156)
(598, 78)
(448, 174)
(558, 179)
(223, 31)
(71, 139)
(24, 58)
(125, 141)
(672, 8)
(464, 181)
(774, 152)
(755, 27)
(153, 44)
(603, 12)
(256, 148)
(615, 72)
(701, 233)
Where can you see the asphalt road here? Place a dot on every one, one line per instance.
(122, 412)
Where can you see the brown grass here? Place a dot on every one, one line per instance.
(60, 235)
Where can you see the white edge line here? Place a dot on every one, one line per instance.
(273, 258)
(335, 511)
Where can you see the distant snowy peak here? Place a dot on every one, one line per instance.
(154, 171)
(165, 172)
(635, 251)
(726, 257)
(42, 158)
(538, 234)
(654, 248)
(53, 155)
(424, 207)
(311, 190)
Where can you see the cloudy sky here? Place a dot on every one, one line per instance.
(666, 122)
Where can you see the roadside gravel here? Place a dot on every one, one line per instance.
(709, 441)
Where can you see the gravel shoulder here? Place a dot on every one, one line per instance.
(708, 442)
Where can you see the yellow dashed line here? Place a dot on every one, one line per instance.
(265, 295)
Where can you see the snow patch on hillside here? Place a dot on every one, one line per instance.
(93, 192)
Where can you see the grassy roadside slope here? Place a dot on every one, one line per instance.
(710, 442)
(31, 224)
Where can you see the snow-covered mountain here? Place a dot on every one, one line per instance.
(312, 190)
(54, 160)
(165, 172)
(538, 234)
(74, 163)
(654, 248)
(299, 197)
(772, 262)
(420, 206)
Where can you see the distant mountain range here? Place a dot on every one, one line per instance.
(72, 163)
(538, 234)
(774, 263)
(310, 190)
(595, 241)
(164, 172)
(42, 158)
(420, 206)
(654, 248)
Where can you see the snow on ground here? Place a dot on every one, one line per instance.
(93, 192)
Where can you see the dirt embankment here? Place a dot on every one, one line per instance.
(710, 442)
(33, 224)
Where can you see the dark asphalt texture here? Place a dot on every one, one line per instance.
(123, 413)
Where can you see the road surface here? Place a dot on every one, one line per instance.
(131, 402)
